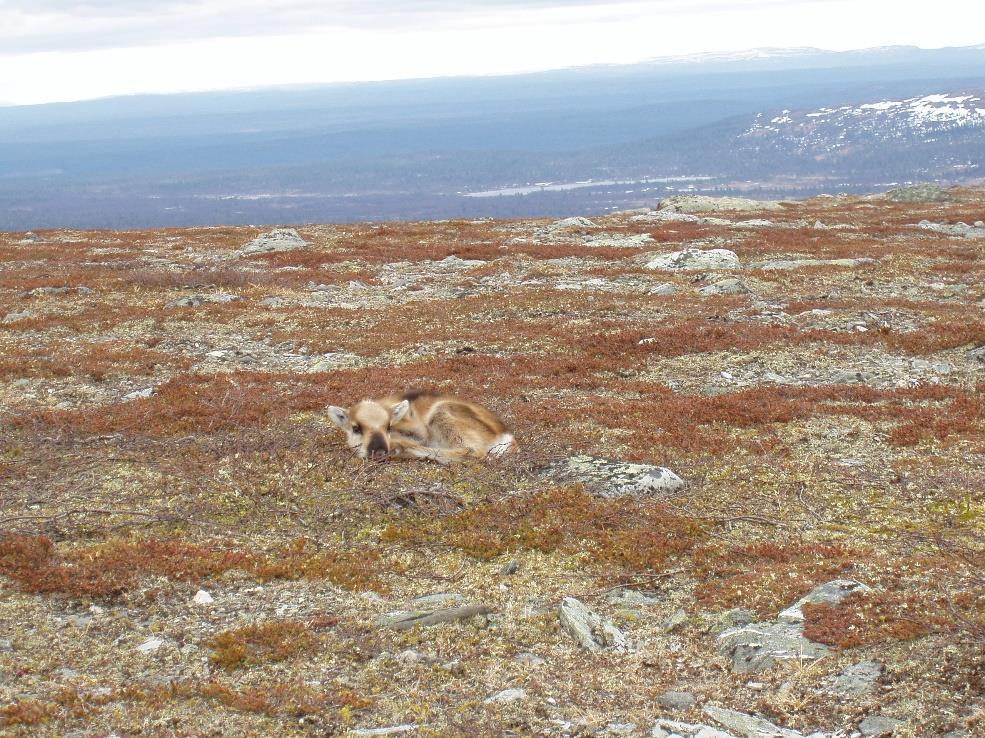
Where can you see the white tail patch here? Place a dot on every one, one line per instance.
(503, 444)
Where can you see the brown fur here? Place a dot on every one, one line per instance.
(423, 425)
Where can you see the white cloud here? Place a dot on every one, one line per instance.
(65, 49)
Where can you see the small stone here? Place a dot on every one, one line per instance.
(738, 616)
(529, 659)
(677, 700)
(392, 730)
(67, 673)
(150, 645)
(510, 567)
(202, 598)
(6, 645)
(730, 286)
(666, 289)
(506, 696)
(630, 598)
(141, 394)
(878, 726)
(409, 657)
(857, 679)
(675, 621)
(848, 376)
(273, 302)
(620, 729)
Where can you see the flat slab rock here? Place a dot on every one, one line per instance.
(782, 264)
(609, 478)
(758, 646)
(737, 724)
(693, 259)
(408, 619)
(706, 204)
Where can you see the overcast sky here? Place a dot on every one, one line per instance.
(76, 49)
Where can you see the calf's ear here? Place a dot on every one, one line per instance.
(339, 416)
(399, 411)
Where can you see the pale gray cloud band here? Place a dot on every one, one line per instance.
(69, 25)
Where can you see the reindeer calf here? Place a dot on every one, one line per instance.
(422, 425)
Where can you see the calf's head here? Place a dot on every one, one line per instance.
(367, 425)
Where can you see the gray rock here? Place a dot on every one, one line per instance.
(32, 237)
(510, 567)
(199, 300)
(674, 729)
(677, 700)
(756, 647)
(665, 216)
(392, 730)
(6, 645)
(141, 394)
(451, 261)
(748, 726)
(506, 696)
(878, 726)
(439, 599)
(273, 302)
(952, 229)
(150, 645)
(976, 354)
(693, 259)
(706, 204)
(529, 659)
(829, 593)
(630, 598)
(609, 478)
(848, 376)
(857, 679)
(577, 223)
(405, 620)
(589, 630)
(729, 286)
(676, 621)
(619, 729)
(620, 240)
(781, 264)
(738, 616)
(923, 192)
(279, 239)
(409, 657)
(15, 316)
(663, 290)
(191, 301)
(38, 291)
